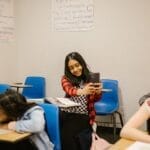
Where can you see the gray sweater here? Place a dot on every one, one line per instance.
(33, 121)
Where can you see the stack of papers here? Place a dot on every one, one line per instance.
(139, 146)
(62, 102)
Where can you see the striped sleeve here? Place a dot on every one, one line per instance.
(68, 87)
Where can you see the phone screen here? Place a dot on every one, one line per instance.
(94, 77)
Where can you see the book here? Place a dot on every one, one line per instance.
(62, 102)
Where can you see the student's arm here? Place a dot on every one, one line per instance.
(131, 131)
(88, 89)
(68, 87)
(34, 123)
(73, 91)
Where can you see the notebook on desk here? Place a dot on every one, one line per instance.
(139, 146)
(62, 102)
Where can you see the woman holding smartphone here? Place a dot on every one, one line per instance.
(75, 83)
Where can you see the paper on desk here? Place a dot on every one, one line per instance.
(139, 146)
(62, 102)
(4, 131)
(67, 102)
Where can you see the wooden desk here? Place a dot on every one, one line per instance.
(122, 144)
(18, 86)
(13, 136)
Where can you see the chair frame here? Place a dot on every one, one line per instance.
(4, 87)
(112, 114)
(52, 126)
(34, 90)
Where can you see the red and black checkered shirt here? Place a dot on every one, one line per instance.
(71, 90)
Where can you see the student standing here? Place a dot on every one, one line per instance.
(24, 117)
(76, 86)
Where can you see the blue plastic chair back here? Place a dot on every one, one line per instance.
(37, 89)
(52, 124)
(110, 100)
(4, 87)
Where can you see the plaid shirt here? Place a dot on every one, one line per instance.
(71, 91)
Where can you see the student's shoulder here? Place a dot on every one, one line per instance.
(64, 78)
(35, 108)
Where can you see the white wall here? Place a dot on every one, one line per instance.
(8, 60)
(118, 47)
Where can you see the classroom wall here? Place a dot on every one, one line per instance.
(118, 46)
(8, 61)
(8, 54)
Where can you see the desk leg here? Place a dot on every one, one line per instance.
(17, 89)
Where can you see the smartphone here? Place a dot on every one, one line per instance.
(94, 77)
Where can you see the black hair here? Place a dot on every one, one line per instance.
(14, 104)
(85, 72)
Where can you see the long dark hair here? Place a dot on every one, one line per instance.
(85, 72)
(14, 104)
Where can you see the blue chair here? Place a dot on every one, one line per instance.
(37, 89)
(109, 102)
(4, 87)
(52, 124)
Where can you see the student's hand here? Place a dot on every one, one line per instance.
(12, 125)
(98, 87)
(88, 89)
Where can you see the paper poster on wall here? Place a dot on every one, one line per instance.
(6, 20)
(72, 15)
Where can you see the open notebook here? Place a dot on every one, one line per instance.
(139, 146)
(62, 102)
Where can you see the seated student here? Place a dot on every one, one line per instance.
(131, 131)
(24, 117)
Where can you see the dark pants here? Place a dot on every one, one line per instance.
(72, 125)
